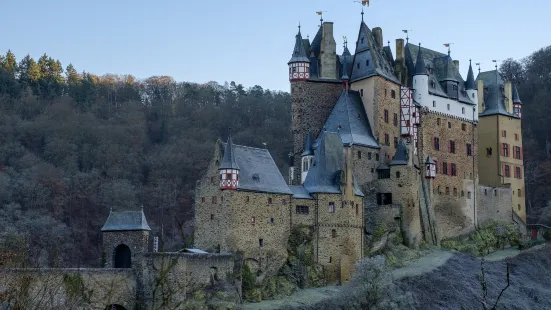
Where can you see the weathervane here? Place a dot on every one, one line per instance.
(320, 13)
(448, 46)
(478, 64)
(407, 34)
(345, 44)
(364, 3)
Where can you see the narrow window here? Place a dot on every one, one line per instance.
(330, 259)
(452, 146)
(507, 171)
(222, 198)
(212, 217)
(469, 150)
(331, 207)
(386, 116)
(377, 156)
(261, 243)
(447, 190)
(359, 154)
(505, 149)
(449, 125)
(495, 192)
(362, 92)
(202, 199)
(284, 202)
(367, 63)
(393, 94)
(469, 195)
(436, 143)
(397, 174)
(357, 209)
(396, 142)
(516, 137)
(271, 220)
(438, 121)
(454, 170)
(462, 193)
(518, 207)
(448, 106)
(485, 192)
(387, 139)
(252, 219)
(270, 200)
(434, 104)
(489, 151)
(454, 191)
(358, 65)
(247, 199)
(464, 127)
(333, 233)
(395, 120)
(504, 133)
(214, 199)
(463, 110)
(444, 168)
(369, 155)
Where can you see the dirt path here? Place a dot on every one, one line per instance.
(422, 265)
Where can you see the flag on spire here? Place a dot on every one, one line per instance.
(319, 12)
(447, 44)
(405, 31)
(365, 2)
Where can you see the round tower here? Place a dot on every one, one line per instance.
(420, 79)
(470, 85)
(299, 65)
(517, 104)
(229, 170)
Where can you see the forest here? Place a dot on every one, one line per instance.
(73, 145)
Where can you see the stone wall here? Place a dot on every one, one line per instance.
(494, 203)
(71, 288)
(338, 240)
(172, 277)
(137, 241)
(312, 103)
(364, 165)
(453, 197)
(300, 218)
(388, 216)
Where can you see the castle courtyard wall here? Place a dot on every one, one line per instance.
(494, 204)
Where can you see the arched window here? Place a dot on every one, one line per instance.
(123, 257)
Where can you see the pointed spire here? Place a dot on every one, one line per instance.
(299, 53)
(345, 76)
(470, 78)
(308, 145)
(401, 157)
(229, 161)
(420, 67)
(516, 98)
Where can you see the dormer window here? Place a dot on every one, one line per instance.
(362, 40)
(358, 66)
(432, 84)
(367, 63)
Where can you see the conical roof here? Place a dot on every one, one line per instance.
(469, 84)
(429, 160)
(344, 66)
(516, 98)
(420, 66)
(308, 151)
(401, 158)
(299, 53)
(229, 161)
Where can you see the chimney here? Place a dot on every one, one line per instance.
(456, 63)
(348, 174)
(480, 91)
(508, 87)
(378, 33)
(400, 52)
(328, 53)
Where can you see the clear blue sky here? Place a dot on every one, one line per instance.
(250, 41)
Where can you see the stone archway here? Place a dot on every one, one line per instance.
(123, 257)
(115, 307)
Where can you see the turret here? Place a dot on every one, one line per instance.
(299, 65)
(517, 104)
(450, 82)
(420, 78)
(229, 170)
(470, 85)
(307, 157)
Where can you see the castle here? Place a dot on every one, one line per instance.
(378, 140)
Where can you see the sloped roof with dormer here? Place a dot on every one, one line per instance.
(494, 94)
(370, 59)
(441, 68)
(325, 174)
(126, 221)
(401, 157)
(349, 120)
(257, 170)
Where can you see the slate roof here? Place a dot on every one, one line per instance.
(494, 96)
(316, 43)
(470, 84)
(420, 67)
(325, 173)
(126, 221)
(429, 160)
(442, 69)
(299, 52)
(229, 162)
(308, 151)
(258, 171)
(401, 157)
(350, 114)
(367, 50)
(299, 192)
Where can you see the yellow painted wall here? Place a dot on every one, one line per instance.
(488, 138)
